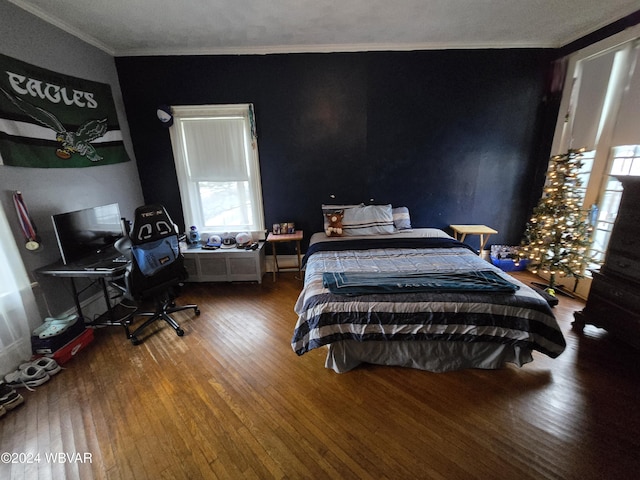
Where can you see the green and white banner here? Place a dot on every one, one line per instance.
(52, 120)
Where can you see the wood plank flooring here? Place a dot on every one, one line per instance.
(231, 400)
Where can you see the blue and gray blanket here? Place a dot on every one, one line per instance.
(362, 283)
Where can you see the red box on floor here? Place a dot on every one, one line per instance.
(46, 346)
(71, 349)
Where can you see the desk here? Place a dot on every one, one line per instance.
(285, 237)
(97, 275)
(463, 230)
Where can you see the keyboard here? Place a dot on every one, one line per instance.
(108, 263)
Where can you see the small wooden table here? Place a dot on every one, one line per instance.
(285, 237)
(462, 231)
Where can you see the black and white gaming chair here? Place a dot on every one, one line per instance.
(155, 270)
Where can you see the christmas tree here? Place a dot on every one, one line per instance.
(557, 238)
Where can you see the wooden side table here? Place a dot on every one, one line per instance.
(285, 237)
(461, 231)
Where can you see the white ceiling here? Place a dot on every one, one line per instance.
(180, 27)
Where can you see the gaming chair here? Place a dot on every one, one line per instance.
(155, 270)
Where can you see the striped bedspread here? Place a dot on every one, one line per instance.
(520, 317)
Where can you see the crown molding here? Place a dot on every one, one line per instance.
(63, 26)
(328, 48)
(592, 29)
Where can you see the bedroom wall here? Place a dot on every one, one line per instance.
(55, 190)
(458, 136)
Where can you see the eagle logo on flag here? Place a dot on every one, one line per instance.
(70, 142)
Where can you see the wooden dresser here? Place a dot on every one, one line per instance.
(614, 298)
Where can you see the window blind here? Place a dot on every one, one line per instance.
(627, 126)
(215, 148)
(594, 82)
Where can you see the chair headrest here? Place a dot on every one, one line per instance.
(150, 223)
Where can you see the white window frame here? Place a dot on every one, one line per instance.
(189, 183)
(599, 177)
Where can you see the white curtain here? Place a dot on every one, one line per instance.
(216, 142)
(627, 128)
(594, 82)
(18, 310)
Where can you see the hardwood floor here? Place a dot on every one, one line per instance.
(231, 400)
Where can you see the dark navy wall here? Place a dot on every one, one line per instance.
(458, 136)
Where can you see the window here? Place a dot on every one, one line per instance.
(17, 303)
(601, 106)
(625, 160)
(216, 155)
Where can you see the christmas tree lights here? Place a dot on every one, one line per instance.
(557, 238)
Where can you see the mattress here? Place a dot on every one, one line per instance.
(437, 329)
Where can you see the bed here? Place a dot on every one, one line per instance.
(419, 299)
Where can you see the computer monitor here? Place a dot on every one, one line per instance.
(87, 232)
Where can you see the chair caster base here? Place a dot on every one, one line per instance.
(135, 341)
(180, 332)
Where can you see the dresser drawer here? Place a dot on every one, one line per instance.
(626, 238)
(630, 214)
(619, 321)
(622, 264)
(624, 294)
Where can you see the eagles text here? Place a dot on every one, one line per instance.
(51, 92)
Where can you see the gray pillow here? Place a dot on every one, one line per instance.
(401, 218)
(368, 220)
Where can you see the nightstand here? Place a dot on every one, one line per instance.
(285, 237)
(461, 231)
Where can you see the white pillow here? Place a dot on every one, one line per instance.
(368, 220)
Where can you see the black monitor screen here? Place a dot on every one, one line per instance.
(87, 232)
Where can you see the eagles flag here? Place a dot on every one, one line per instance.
(52, 120)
